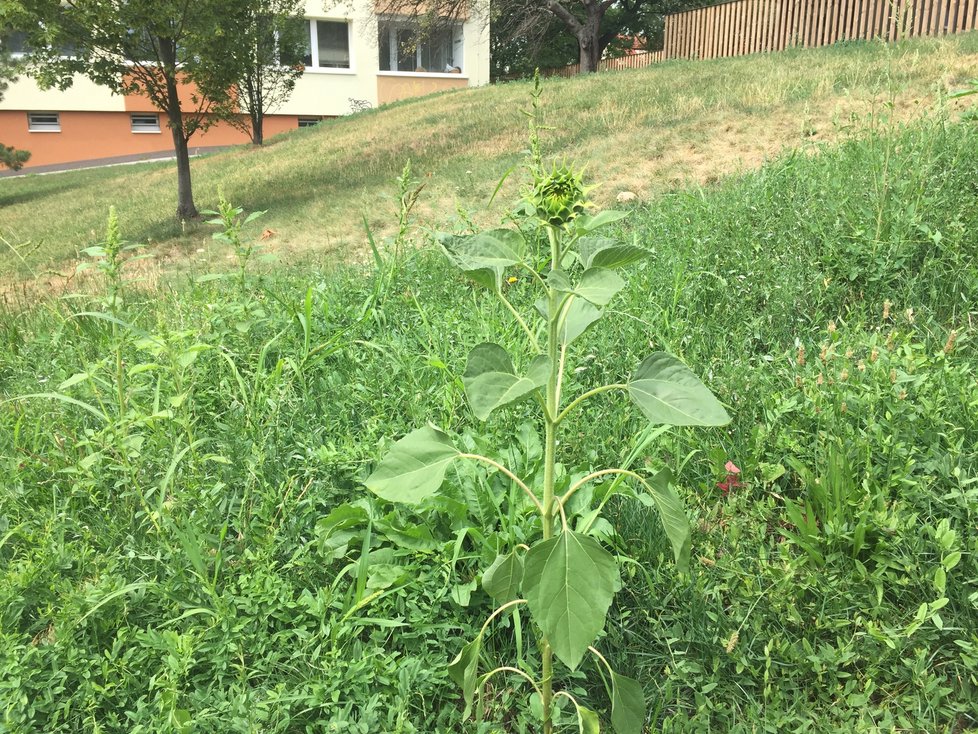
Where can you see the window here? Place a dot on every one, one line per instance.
(145, 122)
(309, 121)
(329, 45)
(43, 122)
(402, 48)
(15, 43)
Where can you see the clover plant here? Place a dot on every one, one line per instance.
(566, 578)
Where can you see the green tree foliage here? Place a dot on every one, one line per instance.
(530, 34)
(271, 40)
(176, 54)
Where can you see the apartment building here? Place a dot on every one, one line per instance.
(355, 59)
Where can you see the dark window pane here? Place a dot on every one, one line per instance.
(334, 44)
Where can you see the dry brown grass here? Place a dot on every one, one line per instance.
(643, 130)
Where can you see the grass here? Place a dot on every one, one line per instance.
(193, 551)
(644, 130)
(186, 545)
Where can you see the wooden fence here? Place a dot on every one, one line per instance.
(752, 26)
(745, 27)
(632, 61)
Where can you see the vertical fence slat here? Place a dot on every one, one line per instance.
(862, 16)
(970, 22)
(880, 19)
(850, 17)
(954, 16)
(787, 11)
(740, 26)
(755, 35)
(806, 33)
(724, 29)
(837, 12)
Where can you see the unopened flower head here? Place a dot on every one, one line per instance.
(559, 196)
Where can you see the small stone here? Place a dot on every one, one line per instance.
(626, 197)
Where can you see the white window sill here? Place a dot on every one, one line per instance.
(146, 132)
(329, 70)
(423, 74)
(43, 131)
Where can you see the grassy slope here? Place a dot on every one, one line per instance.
(643, 130)
(234, 438)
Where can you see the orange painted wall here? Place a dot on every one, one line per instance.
(92, 135)
(393, 88)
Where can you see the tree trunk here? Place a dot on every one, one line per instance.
(186, 209)
(589, 38)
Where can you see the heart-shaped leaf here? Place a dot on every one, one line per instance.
(492, 248)
(502, 579)
(483, 257)
(491, 381)
(627, 705)
(464, 670)
(580, 315)
(414, 468)
(569, 582)
(604, 252)
(599, 285)
(668, 392)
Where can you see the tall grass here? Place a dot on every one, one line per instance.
(171, 558)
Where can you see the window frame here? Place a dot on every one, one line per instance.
(147, 130)
(305, 121)
(313, 31)
(458, 40)
(34, 127)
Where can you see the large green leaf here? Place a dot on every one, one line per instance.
(490, 249)
(587, 720)
(464, 670)
(580, 315)
(586, 223)
(483, 257)
(627, 705)
(569, 582)
(503, 578)
(604, 252)
(491, 381)
(599, 285)
(414, 468)
(668, 392)
(672, 513)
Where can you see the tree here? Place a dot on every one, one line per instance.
(9, 156)
(175, 53)
(270, 46)
(528, 30)
(530, 33)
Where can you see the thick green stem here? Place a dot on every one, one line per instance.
(549, 463)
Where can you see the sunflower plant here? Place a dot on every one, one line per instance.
(566, 578)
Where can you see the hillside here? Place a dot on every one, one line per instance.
(644, 130)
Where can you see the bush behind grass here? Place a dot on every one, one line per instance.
(177, 554)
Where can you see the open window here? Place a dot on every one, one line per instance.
(403, 47)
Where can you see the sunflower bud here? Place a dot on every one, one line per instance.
(559, 196)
